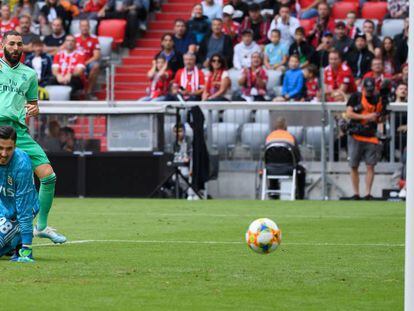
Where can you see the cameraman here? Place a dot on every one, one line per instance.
(365, 110)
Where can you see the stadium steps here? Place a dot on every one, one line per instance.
(131, 79)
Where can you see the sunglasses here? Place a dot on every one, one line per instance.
(215, 61)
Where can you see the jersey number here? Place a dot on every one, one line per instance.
(5, 226)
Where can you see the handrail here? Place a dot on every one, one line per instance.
(119, 107)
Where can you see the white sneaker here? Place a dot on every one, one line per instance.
(51, 234)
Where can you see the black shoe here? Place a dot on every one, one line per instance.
(368, 197)
(355, 197)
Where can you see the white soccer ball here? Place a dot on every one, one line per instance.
(263, 236)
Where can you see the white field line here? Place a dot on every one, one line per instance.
(241, 215)
(221, 242)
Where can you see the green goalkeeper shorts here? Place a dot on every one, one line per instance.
(26, 143)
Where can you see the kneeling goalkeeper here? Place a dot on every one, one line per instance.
(19, 202)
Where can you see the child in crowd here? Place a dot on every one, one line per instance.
(351, 29)
(160, 77)
(301, 48)
(275, 53)
(310, 73)
(293, 82)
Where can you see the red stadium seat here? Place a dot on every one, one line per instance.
(341, 9)
(307, 24)
(376, 10)
(114, 28)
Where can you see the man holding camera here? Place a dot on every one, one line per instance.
(365, 110)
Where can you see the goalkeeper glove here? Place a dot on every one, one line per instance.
(25, 254)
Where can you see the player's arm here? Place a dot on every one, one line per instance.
(31, 97)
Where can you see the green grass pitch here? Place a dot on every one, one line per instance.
(191, 255)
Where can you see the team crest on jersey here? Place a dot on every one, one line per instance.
(10, 180)
(24, 77)
(1, 66)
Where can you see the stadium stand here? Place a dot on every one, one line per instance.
(231, 127)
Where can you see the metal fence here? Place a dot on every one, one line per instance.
(234, 130)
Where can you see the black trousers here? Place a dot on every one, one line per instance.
(301, 183)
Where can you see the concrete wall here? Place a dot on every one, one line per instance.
(239, 181)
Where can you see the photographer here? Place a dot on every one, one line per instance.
(365, 110)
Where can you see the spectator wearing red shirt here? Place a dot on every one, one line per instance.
(351, 29)
(160, 77)
(323, 23)
(190, 79)
(377, 73)
(253, 80)
(230, 27)
(257, 23)
(338, 77)
(69, 66)
(218, 82)
(93, 9)
(7, 23)
(88, 44)
(312, 84)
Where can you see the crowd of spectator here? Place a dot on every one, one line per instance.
(258, 38)
(59, 54)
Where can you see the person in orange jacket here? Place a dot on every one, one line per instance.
(281, 134)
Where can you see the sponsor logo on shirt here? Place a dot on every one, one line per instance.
(7, 192)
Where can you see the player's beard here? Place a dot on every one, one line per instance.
(12, 58)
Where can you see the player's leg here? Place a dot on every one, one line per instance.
(47, 177)
(47, 180)
(9, 236)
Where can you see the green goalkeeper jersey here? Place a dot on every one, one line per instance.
(18, 85)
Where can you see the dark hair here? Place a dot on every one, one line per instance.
(222, 61)
(322, 3)
(284, 6)
(180, 20)
(8, 132)
(178, 126)
(336, 52)
(36, 41)
(313, 69)
(68, 130)
(166, 35)
(31, 2)
(369, 22)
(301, 30)
(393, 50)
(276, 30)
(254, 7)
(160, 56)
(11, 33)
(295, 56)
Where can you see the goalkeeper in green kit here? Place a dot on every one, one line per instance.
(18, 97)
